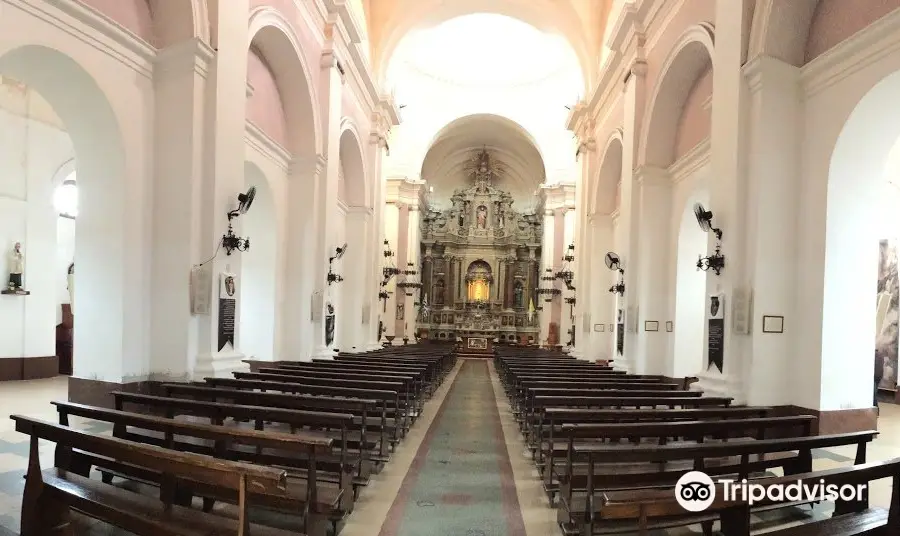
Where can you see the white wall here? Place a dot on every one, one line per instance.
(32, 148)
(687, 242)
(65, 254)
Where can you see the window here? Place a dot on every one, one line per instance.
(65, 198)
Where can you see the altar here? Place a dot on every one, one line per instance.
(476, 346)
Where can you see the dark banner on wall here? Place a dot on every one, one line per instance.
(620, 332)
(227, 295)
(886, 315)
(715, 318)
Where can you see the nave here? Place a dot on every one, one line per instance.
(468, 464)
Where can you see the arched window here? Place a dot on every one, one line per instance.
(65, 198)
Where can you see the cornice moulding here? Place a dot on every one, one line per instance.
(690, 162)
(102, 33)
(862, 49)
(193, 53)
(266, 146)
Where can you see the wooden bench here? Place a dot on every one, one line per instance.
(307, 496)
(611, 467)
(50, 494)
(645, 511)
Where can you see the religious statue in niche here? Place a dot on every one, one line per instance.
(481, 216)
(16, 267)
(438, 292)
(519, 295)
(329, 324)
(461, 219)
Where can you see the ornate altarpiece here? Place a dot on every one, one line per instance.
(480, 263)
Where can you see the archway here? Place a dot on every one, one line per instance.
(103, 217)
(353, 195)
(690, 292)
(865, 157)
(603, 201)
(272, 37)
(258, 270)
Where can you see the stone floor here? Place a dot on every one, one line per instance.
(462, 471)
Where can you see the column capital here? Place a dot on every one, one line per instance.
(549, 212)
(308, 165)
(764, 69)
(192, 55)
(359, 211)
(652, 176)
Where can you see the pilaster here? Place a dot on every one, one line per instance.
(223, 178)
(330, 88)
(546, 262)
(651, 287)
(773, 169)
(602, 302)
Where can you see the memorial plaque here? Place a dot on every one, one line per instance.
(715, 318)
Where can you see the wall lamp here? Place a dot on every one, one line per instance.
(230, 241)
(614, 263)
(333, 277)
(716, 261)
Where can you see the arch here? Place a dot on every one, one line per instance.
(257, 281)
(272, 34)
(85, 110)
(781, 29)
(560, 17)
(450, 150)
(603, 194)
(866, 153)
(354, 165)
(690, 291)
(64, 170)
(687, 60)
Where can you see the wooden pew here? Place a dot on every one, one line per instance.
(365, 422)
(50, 494)
(342, 465)
(649, 466)
(296, 453)
(388, 400)
(403, 405)
(649, 510)
(559, 465)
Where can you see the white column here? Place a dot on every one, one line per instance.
(726, 196)
(391, 233)
(567, 321)
(350, 315)
(629, 211)
(412, 255)
(602, 302)
(377, 144)
(651, 284)
(223, 178)
(330, 88)
(297, 335)
(546, 262)
(773, 167)
(179, 81)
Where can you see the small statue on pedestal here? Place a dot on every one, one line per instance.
(16, 267)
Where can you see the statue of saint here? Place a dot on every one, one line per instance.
(519, 296)
(16, 267)
(70, 286)
(482, 217)
(329, 324)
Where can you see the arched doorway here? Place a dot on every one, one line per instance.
(865, 160)
(355, 217)
(690, 293)
(73, 96)
(258, 271)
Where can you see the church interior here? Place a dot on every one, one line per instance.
(450, 268)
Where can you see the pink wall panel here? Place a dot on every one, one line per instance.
(134, 15)
(836, 20)
(264, 107)
(693, 127)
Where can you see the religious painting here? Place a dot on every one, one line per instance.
(504, 321)
(519, 321)
(450, 318)
(481, 216)
(886, 315)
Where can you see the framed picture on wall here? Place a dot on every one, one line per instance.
(773, 324)
(669, 326)
(651, 325)
(600, 328)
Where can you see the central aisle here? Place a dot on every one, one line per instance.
(460, 482)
